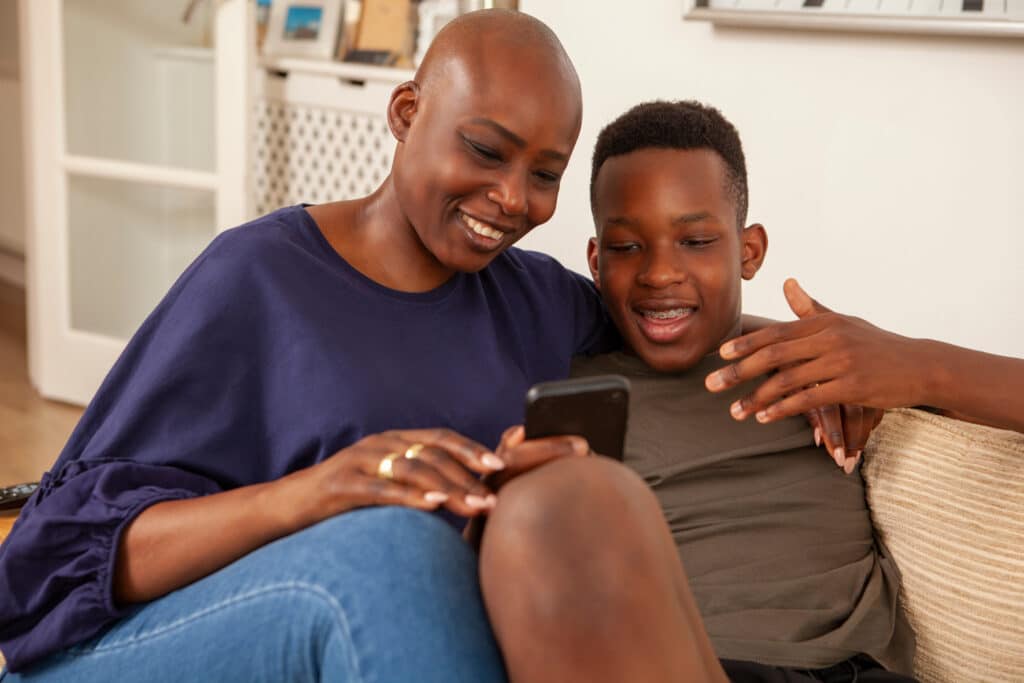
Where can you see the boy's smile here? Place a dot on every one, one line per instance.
(669, 257)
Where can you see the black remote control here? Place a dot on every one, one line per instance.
(13, 497)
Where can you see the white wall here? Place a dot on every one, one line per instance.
(888, 170)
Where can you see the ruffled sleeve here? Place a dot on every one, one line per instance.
(56, 567)
(181, 414)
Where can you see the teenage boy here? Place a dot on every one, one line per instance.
(776, 541)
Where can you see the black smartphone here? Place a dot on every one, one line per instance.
(596, 408)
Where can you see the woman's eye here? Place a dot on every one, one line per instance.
(623, 247)
(485, 152)
(547, 176)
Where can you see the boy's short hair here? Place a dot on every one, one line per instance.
(675, 125)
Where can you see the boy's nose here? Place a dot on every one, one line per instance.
(660, 270)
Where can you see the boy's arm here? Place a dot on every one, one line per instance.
(830, 358)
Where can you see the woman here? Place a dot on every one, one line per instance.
(204, 520)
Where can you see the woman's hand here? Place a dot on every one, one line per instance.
(418, 468)
(824, 360)
(176, 542)
(844, 430)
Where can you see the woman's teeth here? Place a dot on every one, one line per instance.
(482, 228)
(670, 314)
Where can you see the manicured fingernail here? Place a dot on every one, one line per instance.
(492, 461)
(762, 416)
(715, 381)
(580, 446)
(481, 502)
(737, 410)
(851, 465)
(435, 496)
(817, 436)
(840, 456)
(727, 350)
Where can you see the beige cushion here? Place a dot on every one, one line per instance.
(947, 498)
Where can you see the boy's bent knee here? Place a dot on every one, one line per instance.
(569, 520)
(572, 492)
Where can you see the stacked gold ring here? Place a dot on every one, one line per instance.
(386, 468)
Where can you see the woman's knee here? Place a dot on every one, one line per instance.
(402, 558)
(392, 539)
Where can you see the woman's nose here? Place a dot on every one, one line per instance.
(510, 194)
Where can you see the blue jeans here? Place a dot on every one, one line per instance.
(375, 595)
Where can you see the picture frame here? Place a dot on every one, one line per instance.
(303, 28)
(385, 33)
(432, 17)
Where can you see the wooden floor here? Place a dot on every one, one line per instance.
(32, 430)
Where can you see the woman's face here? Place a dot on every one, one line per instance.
(483, 157)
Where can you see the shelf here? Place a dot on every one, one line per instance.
(853, 22)
(185, 53)
(343, 70)
(129, 171)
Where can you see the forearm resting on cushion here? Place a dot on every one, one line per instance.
(981, 386)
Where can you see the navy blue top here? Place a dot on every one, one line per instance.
(269, 354)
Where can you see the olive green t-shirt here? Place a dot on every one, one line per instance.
(775, 539)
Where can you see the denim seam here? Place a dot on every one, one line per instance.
(317, 591)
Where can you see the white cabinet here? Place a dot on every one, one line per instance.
(144, 141)
(320, 131)
(136, 155)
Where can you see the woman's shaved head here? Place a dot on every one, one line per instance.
(490, 48)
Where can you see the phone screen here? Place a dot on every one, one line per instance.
(596, 408)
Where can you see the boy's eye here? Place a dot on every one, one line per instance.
(698, 242)
(622, 247)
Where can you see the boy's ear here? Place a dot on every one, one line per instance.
(754, 243)
(592, 250)
(402, 108)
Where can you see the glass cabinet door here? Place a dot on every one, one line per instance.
(138, 121)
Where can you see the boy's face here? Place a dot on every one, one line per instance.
(669, 257)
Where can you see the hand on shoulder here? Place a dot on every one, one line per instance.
(827, 358)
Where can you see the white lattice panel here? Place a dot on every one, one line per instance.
(315, 154)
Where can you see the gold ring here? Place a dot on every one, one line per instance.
(413, 450)
(386, 468)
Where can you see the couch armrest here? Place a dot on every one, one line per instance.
(947, 501)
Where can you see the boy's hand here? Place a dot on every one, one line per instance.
(521, 456)
(823, 360)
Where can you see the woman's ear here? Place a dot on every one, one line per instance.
(754, 243)
(592, 261)
(402, 108)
